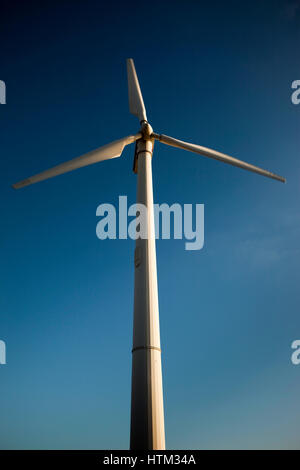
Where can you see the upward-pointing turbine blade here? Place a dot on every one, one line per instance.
(112, 150)
(216, 155)
(136, 102)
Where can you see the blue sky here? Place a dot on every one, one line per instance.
(211, 73)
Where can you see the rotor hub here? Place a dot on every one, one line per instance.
(146, 130)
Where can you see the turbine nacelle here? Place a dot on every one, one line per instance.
(146, 130)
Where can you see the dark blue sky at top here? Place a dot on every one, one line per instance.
(218, 74)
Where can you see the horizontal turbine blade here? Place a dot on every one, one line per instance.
(136, 102)
(112, 150)
(216, 155)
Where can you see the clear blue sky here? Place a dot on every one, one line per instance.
(214, 73)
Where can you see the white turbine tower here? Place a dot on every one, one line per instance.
(147, 413)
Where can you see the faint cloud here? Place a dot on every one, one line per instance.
(269, 243)
(263, 250)
(264, 253)
(260, 253)
(291, 219)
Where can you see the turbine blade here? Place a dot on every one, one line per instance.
(216, 155)
(136, 102)
(112, 150)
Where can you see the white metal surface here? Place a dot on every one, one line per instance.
(147, 411)
(136, 102)
(215, 155)
(112, 150)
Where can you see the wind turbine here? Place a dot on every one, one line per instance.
(147, 413)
